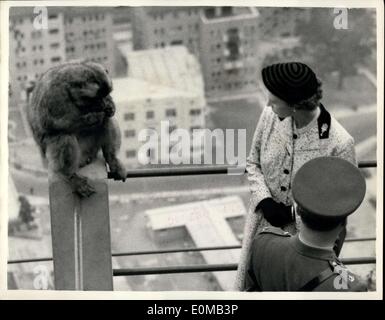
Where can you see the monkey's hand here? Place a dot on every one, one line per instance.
(109, 107)
(81, 186)
(93, 118)
(117, 169)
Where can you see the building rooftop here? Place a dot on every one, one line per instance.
(206, 223)
(222, 14)
(174, 67)
(130, 89)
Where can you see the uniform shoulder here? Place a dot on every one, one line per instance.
(275, 231)
(343, 280)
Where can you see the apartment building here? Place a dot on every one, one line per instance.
(223, 38)
(71, 33)
(229, 50)
(159, 27)
(163, 85)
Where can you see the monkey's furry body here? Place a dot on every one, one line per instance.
(71, 117)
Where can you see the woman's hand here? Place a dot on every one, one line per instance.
(277, 214)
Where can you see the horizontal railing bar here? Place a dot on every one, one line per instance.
(176, 250)
(211, 268)
(137, 253)
(367, 164)
(134, 253)
(200, 170)
(174, 269)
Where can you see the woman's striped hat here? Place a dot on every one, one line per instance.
(290, 81)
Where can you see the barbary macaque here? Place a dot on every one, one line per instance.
(70, 113)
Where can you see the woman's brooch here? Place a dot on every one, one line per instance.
(324, 128)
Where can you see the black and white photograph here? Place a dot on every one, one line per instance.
(170, 147)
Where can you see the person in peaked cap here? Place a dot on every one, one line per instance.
(326, 191)
(293, 128)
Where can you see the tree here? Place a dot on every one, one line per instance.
(337, 50)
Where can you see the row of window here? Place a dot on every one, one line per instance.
(95, 46)
(88, 17)
(55, 59)
(38, 61)
(93, 32)
(235, 72)
(131, 133)
(36, 34)
(53, 31)
(162, 31)
(173, 43)
(176, 14)
(130, 116)
(235, 85)
(21, 64)
(39, 47)
(25, 77)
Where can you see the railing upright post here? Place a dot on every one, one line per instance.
(80, 228)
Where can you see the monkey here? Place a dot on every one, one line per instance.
(70, 113)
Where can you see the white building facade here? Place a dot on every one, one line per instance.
(164, 92)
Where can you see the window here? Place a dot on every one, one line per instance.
(195, 128)
(176, 42)
(54, 31)
(55, 59)
(195, 112)
(170, 113)
(54, 45)
(129, 116)
(129, 133)
(130, 153)
(150, 115)
(52, 16)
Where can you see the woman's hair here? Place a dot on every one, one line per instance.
(312, 102)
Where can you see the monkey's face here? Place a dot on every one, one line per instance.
(89, 86)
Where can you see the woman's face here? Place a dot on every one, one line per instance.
(280, 107)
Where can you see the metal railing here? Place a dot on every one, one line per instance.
(164, 251)
(200, 170)
(195, 170)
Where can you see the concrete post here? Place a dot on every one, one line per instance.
(80, 228)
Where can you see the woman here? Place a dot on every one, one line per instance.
(293, 128)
